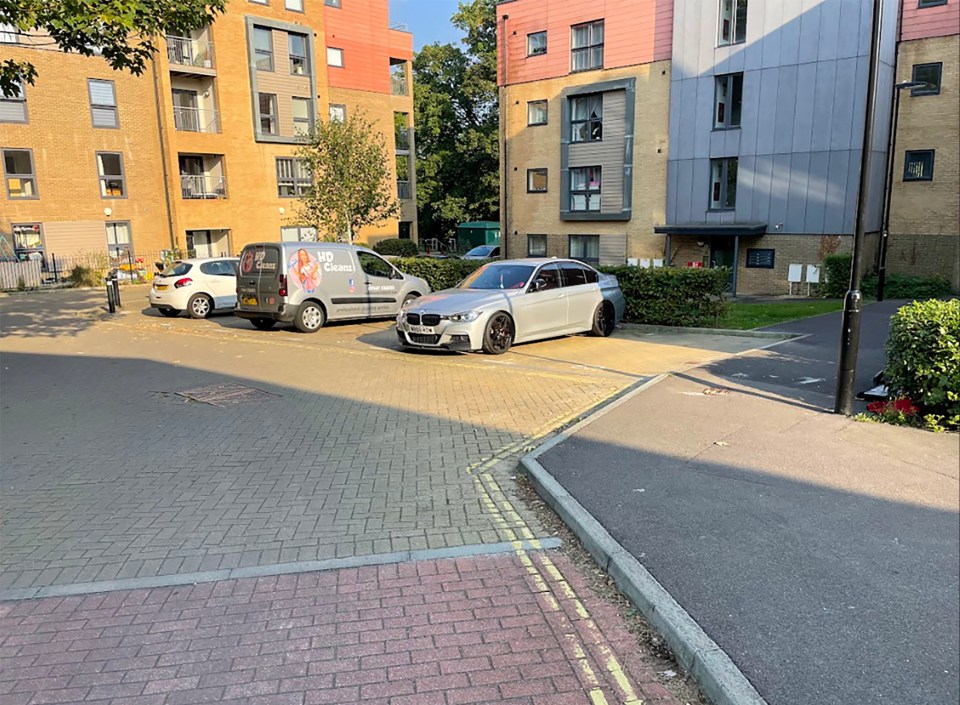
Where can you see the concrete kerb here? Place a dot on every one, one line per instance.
(645, 328)
(714, 671)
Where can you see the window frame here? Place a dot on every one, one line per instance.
(730, 81)
(274, 118)
(300, 229)
(724, 182)
(20, 100)
(331, 106)
(587, 192)
(335, 49)
(332, 3)
(103, 178)
(112, 248)
(536, 171)
(298, 122)
(259, 53)
(906, 164)
(589, 47)
(530, 252)
(299, 184)
(536, 52)
(589, 238)
(32, 175)
(589, 121)
(924, 4)
(304, 58)
(927, 91)
(286, 6)
(735, 5)
(103, 106)
(380, 260)
(546, 112)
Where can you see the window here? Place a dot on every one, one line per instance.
(263, 48)
(577, 274)
(331, 3)
(299, 233)
(118, 239)
(18, 173)
(302, 116)
(733, 21)
(294, 5)
(113, 184)
(723, 184)
(9, 34)
(299, 60)
(536, 44)
(334, 57)
(261, 2)
(338, 113)
(293, 177)
(28, 241)
(918, 165)
(536, 245)
(728, 101)
(586, 118)
(219, 268)
(14, 107)
(931, 3)
(929, 74)
(585, 248)
(585, 188)
(398, 77)
(536, 180)
(537, 112)
(103, 103)
(586, 49)
(374, 266)
(760, 258)
(268, 113)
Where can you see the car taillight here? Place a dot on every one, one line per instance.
(186, 281)
(283, 285)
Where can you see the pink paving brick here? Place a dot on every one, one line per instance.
(470, 630)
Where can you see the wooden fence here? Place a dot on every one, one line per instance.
(20, 275)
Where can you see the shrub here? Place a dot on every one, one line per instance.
(836, 270)
(836, 276)
(396, 247)
(923, 358)
(439, 273)
(85, 276)
(672, 296)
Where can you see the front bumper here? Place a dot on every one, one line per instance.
(447, 335)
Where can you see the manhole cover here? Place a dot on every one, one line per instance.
(225, 394)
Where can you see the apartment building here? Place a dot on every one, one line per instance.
(721, 133)
(199, 153)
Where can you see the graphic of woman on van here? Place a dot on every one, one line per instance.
(305, 271)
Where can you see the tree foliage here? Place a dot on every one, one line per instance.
(124, 32)
(457, 122)
(352, 180)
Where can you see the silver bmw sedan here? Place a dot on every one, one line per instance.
(513, 301)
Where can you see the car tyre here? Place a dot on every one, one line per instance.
(263, 323)
(169, 312)
(604, 320)
(310, 317)
(498, 334)
(199, 306)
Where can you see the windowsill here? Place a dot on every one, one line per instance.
(534, 56)
(910, 181)
(722, 210)
(586, 141)
(543, 191)
(592, 68)
(923, 93)
(536, 124)
(721, 45)
(726, 129)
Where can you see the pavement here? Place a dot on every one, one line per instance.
(821, 554)
(161, 477)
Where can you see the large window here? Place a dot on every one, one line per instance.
(728, 101)
(723, 183)
(585, 248)
(586, 47)
(733, 21)
(293, 177)
(334, 57)
(536, 44)
(119, 244)
(14, 108)
(113, 184)
(537, 112)
(298, 233)
(918, 165)
(585, 188)
(929, 74)
(263, 48)
(295, 5)
(536, 180)
(103, 103)
(536, 245)
(586, 118)
(268, 113)
(299, 58)
(18, 173)
(302, 115)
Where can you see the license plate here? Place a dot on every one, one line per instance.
(162, 287)
(421, 330)
(249, 300)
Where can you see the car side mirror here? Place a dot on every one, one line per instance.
(539, 284)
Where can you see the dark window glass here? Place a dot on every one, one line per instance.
(374, 266)
(586, 50)
(536, 180)
(536, 43)
(586, 118)
(536, 245)
(929, 74)
(573, 275)
(585, 248)
(918, 165)
(263, 48)
(550, 276)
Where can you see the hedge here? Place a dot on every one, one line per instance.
(897, 286)
(397, 247)
(439, 273)
(923, 358)
(673, 296)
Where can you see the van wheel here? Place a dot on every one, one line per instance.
(498, 335)
(310, 317)
(410, 297)
(263, 323)
(604, 320)
(199, 306)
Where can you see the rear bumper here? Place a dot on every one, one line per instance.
(283, 314)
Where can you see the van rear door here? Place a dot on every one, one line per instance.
(258, 283)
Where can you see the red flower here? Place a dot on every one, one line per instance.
(902, 405)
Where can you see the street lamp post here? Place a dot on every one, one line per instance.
(888, 186)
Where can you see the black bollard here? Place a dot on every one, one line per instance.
(111, 304)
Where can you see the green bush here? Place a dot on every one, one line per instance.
(396, 247)
(836, 276)
(439, 273)
(923, 358)
(85, 276)
(836, 270)
(672, 296)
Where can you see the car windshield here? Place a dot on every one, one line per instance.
(177, 269)
(499, 276)
(482, 251)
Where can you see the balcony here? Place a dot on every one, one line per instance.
(187, 55)
(404, 190)
(196, 119)
(203, 186)
(398, 84)
(402, 139)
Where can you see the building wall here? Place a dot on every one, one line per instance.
(925, 22)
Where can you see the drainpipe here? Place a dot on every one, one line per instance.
(163, 151)
(505, 233)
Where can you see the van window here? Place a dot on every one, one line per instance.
(374, 266)
(260, 260)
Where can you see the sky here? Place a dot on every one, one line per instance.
(429, 20)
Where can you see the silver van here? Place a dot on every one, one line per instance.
(310, 283)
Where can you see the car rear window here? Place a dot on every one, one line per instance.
(263, 260)
(177, 269)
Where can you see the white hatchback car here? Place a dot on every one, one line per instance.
(197, 286)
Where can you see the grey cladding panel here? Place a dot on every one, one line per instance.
(688, 118)
(841, 128)
(836, 199)
(809, 31)
(790, 31)
(849, 38)
(745, 175)
(779, 189)
(823, 105)
(750, 112)
(672, 191)
(797, 193)
(762, 179)
(700, 193)
(829, 30)
(786, 108)
(772, 14)
(817, 192)
(685, 191)
(768, 107)
(803, 114)
(853, 183)
(704, 123)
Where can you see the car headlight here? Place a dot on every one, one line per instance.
(465, 316)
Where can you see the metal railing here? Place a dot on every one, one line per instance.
(404, 189)
(196, 119)
(203, 186)
(400, 26)
(184, 51)
(402, 138)
(398, 84)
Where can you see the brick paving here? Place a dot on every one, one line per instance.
(521, 630)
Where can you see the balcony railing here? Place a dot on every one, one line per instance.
(404, 189)
(402, 138)
(196, 119)
(184, 51)
(398, 84)
(203, 186)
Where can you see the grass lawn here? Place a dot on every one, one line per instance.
(746, 316)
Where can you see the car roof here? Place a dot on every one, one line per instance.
(201, 260)
(326, 245)
(535, 261)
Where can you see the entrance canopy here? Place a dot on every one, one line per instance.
(705, 231)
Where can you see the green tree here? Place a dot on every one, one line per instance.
(457, 125)
(124, 32)
(352, 180)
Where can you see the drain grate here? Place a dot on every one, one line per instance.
(226, 394)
